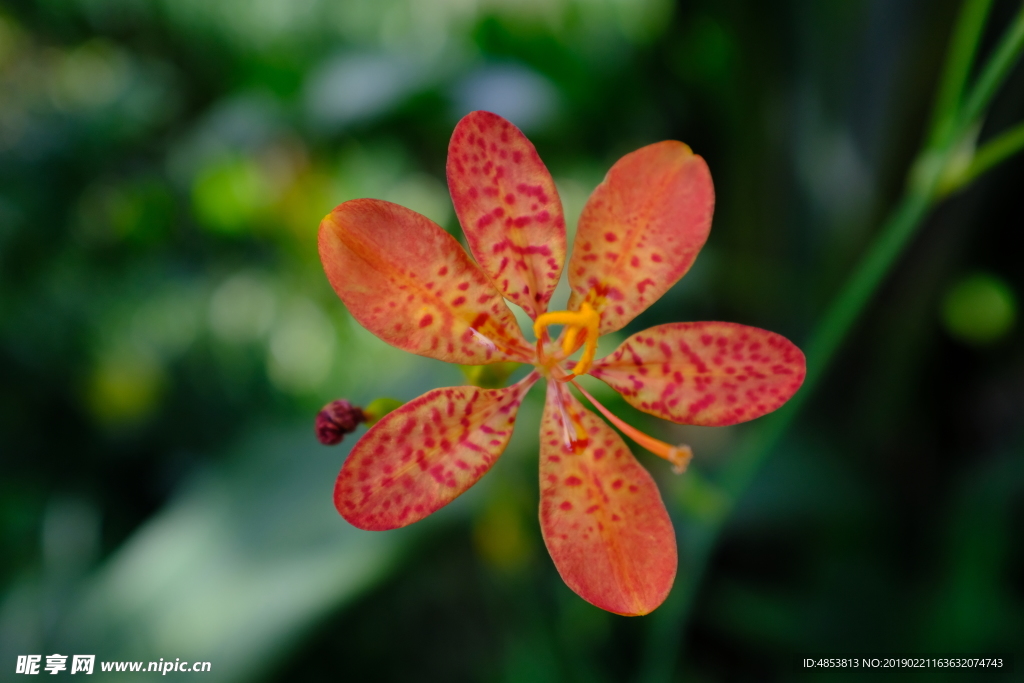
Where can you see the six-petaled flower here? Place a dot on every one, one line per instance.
(410, 283)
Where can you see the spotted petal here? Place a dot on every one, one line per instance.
(411, 284)
(704, 373)
(423, 455)
(640, 231)
(509, 208)
(600, 512)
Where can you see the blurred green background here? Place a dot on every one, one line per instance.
(167, 335)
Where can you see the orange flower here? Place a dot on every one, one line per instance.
(410, 283)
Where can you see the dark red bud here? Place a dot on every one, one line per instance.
(337, 419)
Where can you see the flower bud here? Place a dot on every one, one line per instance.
(337, 419)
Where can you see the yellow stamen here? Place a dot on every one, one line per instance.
(570, 339)
(585, 320)
(679, 456)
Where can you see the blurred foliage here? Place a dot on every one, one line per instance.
(167, 335)
(979, 309)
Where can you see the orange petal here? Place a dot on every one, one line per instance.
(423, 455)
(411, 284)
(600, 512)
(707, 373)
(640, 231)
(509, 208)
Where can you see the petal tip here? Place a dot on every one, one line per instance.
(602, 517)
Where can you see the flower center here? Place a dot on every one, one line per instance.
(582, 322)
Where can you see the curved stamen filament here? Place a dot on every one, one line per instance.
(679, 456)
(585, 320)
(578, 433)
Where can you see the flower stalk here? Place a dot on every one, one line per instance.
(932, 177)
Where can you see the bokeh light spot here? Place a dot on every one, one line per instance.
(499, 535)
(167, 324)
(124, 388)
(91, 76)
(301, 348)
(424, 194)
(242, 308)
(228, 195)
(979, 309)
(516, 92)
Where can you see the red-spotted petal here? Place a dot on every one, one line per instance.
(600, 512)
(423, 455)
(414, 286)
(640, 231)
(705, 373)
(509, 208)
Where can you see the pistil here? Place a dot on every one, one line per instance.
(679, 456)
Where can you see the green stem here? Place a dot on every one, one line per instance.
(833, 328)
(998, 67)
(992, 153)
(966, 35)
(931, 166)
(668, 620)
